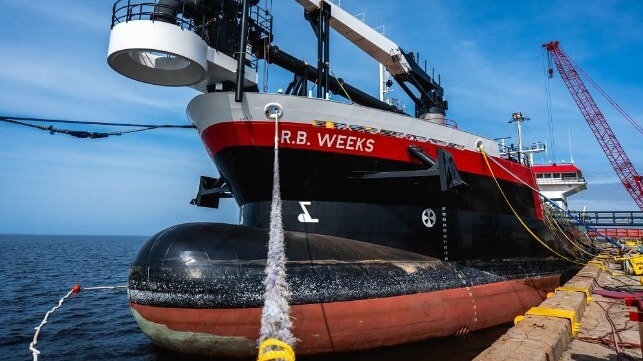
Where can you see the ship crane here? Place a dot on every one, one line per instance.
(619, 160)
(429, 102)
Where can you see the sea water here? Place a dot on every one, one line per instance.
(37, 271)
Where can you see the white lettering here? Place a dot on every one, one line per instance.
(344, 142)
(350, 143)
(285, 136)
(326, 139)
(340, 142)
(370, 144)
(359, 145)
(301, 137)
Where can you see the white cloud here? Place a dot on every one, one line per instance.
(87, 17)
(53, 184)
(79, 77)
(603, 197)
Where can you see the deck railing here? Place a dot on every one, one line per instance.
(180, 13)
(611, 218)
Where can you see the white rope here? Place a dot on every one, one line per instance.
(32, 346)
(103, 288)
(275, 316)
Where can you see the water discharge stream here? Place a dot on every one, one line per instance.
(275, 317)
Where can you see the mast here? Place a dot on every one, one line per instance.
(518, 118)
(382, 80)
(241, 53)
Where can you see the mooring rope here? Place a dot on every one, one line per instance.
(543, 243)
(553, 204)
(564, 234)
(75, 289)
(24, 121)
(276, 338)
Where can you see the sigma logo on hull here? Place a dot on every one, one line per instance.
(305, 216)
(428, 218)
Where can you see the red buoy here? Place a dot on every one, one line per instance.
(76, 288)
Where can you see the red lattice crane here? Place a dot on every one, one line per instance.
(624, 168)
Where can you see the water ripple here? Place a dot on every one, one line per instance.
(98, 325)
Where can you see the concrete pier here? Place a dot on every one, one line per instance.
(549, 338)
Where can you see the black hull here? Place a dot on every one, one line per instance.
(323, 176)
(216, 266)
(471, 223)
(455, 236)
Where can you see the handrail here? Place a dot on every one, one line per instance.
(560, 180)
(187, 16)
(450, 123)
(620, 218)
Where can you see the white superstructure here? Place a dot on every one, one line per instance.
(559, 181)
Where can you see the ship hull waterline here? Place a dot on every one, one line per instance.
(345, 326)
(347, 295)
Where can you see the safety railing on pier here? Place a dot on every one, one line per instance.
(611, 218)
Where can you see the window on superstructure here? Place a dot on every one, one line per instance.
(547, 175)
(539, 175)
(570, 176)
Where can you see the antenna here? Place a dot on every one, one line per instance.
(546, 147)
(502, 142)
(382, 81)
(571, 156)
(518, 118)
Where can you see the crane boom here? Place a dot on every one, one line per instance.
(399, 63)
(621, 163)
(378, 46)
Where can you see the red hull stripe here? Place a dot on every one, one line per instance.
(346, 141)
(363, 324)
(617, 232)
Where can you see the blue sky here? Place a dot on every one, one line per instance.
(52, 65)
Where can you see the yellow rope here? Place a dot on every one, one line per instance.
(484, 155)
(549, 217)
(526, 184)
(279, 350)
(553, 219)
(341, 84)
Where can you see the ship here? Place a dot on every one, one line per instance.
(395, 227)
